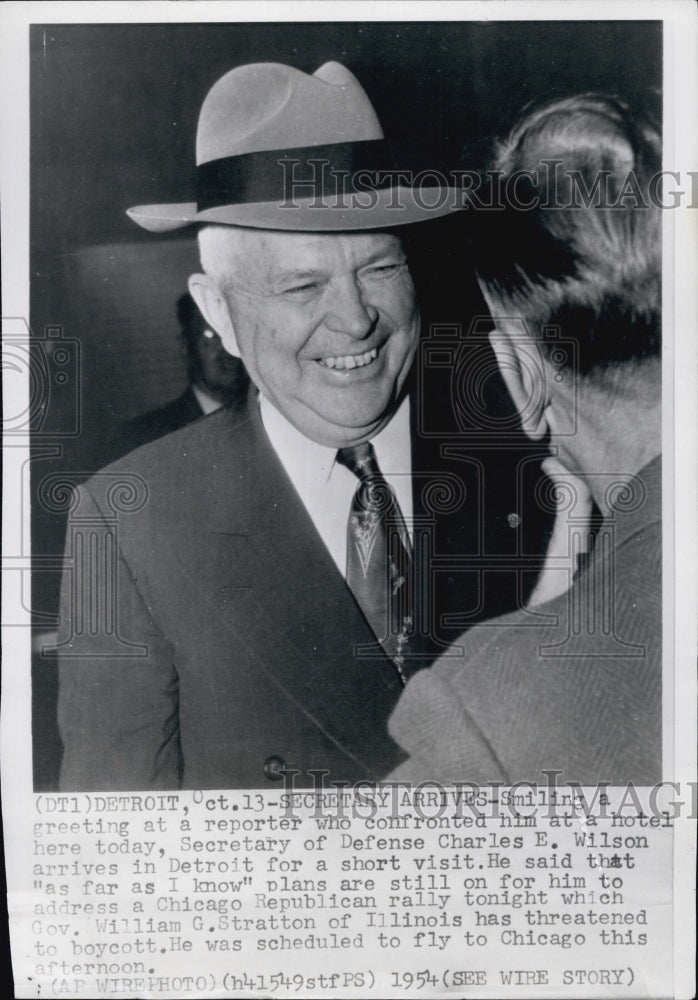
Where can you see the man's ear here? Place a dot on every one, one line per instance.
(524, 372)
(214, 308)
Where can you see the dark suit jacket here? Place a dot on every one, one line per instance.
(575, 687)
(250, 652)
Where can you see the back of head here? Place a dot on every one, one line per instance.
(577, 244)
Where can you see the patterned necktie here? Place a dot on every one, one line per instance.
(378, 560)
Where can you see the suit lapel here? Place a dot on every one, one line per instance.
(302, 622)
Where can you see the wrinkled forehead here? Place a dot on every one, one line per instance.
(266, 253)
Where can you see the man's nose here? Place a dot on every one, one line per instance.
(349, 312)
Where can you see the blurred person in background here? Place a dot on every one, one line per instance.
(216, 379)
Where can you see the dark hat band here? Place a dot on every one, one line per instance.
(287, 175)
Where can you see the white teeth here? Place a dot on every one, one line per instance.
(350, 361)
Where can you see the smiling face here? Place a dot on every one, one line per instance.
(326, 324)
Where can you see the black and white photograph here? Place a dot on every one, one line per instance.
(342, 425)
(212, 632)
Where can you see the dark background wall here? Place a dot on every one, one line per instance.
(114, 110)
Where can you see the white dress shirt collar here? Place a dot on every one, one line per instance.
(326, 487)
(205, 400)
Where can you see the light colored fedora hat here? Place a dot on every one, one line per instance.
(280, 149)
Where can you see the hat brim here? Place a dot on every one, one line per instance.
(374, 209)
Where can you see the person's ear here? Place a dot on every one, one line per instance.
(214, 308)
(524, 373)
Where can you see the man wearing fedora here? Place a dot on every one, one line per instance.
(292, 562)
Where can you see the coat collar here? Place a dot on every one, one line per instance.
(303, 629)
(636, 502)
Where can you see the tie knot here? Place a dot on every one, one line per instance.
(359, 459)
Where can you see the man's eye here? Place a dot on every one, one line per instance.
(298, 291)
(384, 270)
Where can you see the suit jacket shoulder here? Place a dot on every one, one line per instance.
(236, 635)
(573, 685)
(153, 425)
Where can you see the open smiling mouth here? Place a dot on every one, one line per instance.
(349, 361)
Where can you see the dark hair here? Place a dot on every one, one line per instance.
(586, 255)
(192, 325)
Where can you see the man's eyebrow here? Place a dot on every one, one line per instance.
(282, 273)
(380, 253)
(293, 274)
